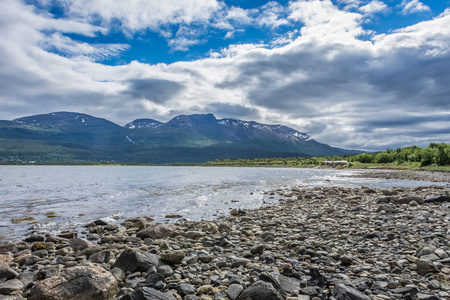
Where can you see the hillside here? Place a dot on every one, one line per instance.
(68, 136)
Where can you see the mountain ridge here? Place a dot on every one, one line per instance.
(62, 136)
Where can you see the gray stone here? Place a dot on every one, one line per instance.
(136, 260)
(157, 231)
(184, 289)
(407, 200)
(343, 292)
(260, 290)
(147, 293)
(28, 278)
(7, 272)
(346, 260)
(165, 271)
(79, 244)
(102, 257)
(425, 266)
(10, 286)
(204, 257)
(411, 290)
(29, 260)
(258, 249)
(437, 199)
(234, 290)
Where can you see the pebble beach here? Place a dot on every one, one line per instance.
(318, 243)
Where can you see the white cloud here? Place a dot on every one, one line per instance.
(272, 15)
(350, 4)
(413, 6)
(373, 7)
(324, 21)
(134, 16)
(344, 90)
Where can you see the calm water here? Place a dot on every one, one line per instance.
(55, 198)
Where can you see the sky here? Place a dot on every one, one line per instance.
(355, 74)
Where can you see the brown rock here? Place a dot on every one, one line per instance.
(77, 283)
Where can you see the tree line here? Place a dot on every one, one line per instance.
(434, 154)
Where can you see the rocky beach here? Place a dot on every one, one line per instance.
(318, 243)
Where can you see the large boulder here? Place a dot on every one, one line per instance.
(260, 290)
(157, 231)
(77, 283)
(136, 260)
(147, 293)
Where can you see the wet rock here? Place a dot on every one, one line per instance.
(157, 231)
(136, 260)
(260, 290)
(147, 293)
(343, 292)
(82, 282)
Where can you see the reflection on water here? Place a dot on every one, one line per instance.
(54, 198)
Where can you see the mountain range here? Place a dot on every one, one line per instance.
(72, 137)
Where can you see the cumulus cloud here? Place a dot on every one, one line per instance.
(138, 15)
(374, 7)
(413, 6)
(391, 90)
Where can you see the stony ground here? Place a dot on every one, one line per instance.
(406, 175)
(324, 243)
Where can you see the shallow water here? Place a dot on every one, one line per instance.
(55, 198)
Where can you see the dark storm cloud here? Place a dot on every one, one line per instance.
(413, 78)
(155, 90)
(223, 110)
(403, 121)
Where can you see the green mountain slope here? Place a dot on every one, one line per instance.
(67, 136)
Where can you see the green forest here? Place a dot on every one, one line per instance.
(435, 157)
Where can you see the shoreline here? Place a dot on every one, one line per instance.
(431, 176)
(373, 243)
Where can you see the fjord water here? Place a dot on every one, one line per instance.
(55, 198)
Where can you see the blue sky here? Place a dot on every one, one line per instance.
(362, 74)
